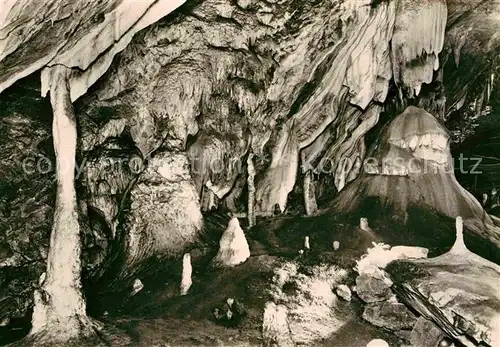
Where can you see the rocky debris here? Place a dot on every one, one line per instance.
(187, 271)
(374, 287)
(275, 327)
(314, 311)
(377, 343)
(441, 290)
(390, 315)
(425, 333)
(233, 246)
(344, 292)
(231, 313)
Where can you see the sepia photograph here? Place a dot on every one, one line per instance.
(250, 173)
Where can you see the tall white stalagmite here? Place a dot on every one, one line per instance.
(59, 312)
(251, 191)
(309, 195)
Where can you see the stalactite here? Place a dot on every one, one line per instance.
(251, 191)
(309, 194)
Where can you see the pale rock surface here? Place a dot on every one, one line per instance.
(377, 343)
(344, 292)
(233, 246)
(380, 255)
(275, 327)
(418, 33)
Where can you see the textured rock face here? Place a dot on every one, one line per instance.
(393, 316)
(275, 327)
(417, 41)
(164, 214)
(313, 310)
(244, 77)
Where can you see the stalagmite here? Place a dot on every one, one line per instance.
(307, 246)
(485, 199)
(59, 312)
(187, 271)
(233, 246)
(459, 245)
(336, 245)
(137, 286)
(363, 224)
(309, 195)
(251, 191)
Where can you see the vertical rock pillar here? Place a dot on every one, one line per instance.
(251, 191)
(59, 312)
(309, 195)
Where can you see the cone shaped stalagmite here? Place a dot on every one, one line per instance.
(233, 246)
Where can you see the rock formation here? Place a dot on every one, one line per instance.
(377, 343)
(441, 290)
(59, 38)
(59, 314)
(413, 167)
(312, 306)
(233, 246)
